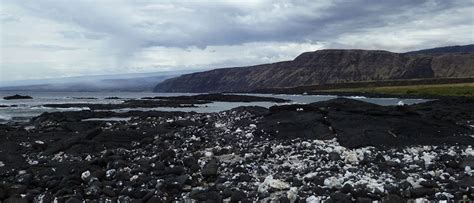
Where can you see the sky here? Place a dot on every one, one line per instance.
(59, 38)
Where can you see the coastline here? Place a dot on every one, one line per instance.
(338, 150)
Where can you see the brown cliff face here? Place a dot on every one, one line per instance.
(325, 67)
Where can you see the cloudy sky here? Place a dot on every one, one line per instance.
(49, 39)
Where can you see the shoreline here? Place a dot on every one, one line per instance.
(340, 150)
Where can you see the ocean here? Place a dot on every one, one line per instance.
(25, 109)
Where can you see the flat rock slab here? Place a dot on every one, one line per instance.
(358, 124)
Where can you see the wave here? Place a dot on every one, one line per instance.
(5, 117)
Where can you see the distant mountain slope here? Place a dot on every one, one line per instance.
(109, 85)
(136, 82)
(443, 50)
(325, 67)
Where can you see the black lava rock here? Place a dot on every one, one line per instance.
(210, 169)
(421, 192)
(17, 96)
(237, 196)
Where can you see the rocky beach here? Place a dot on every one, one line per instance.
(341, 150)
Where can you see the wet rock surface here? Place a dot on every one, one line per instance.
(340, 151)
(221, 98)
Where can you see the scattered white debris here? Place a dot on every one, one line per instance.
(249, 135)
(313, 199)
(134, 177)
(194, 138)
(85, 175)
(39, 142)
(208, 154)
(299, 109)
(468, 170)
(32, 162)
(469, 151)
(110, 173)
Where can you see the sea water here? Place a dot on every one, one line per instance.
(25, 109)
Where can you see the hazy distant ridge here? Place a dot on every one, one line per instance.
(444, 50)
(135, 82)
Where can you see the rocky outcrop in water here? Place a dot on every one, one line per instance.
(173, 101)
(17, 96)
(325, 67)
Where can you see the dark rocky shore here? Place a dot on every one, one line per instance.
(340, 150)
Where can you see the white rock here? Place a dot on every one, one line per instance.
(252, 126)
(427, 157)
(249, 135)
(85, 175)
(333, 182)
(208, 154)
(468, 169)
(39, 142)
(248, 155)
(469, 151)
(310, 175)
(2, 164)
(421, 200)
(352, 158)
(292, 194)
(272, 183)
(110, 173)
(400, 103)
(32, 162)
(219, 125)
(313, 199)
(134, 177)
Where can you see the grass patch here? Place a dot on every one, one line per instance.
(461, 89)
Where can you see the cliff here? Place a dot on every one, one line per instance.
(330, 66)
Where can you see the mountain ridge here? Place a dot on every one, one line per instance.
(328, 66)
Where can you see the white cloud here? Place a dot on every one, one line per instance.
(52, 38)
